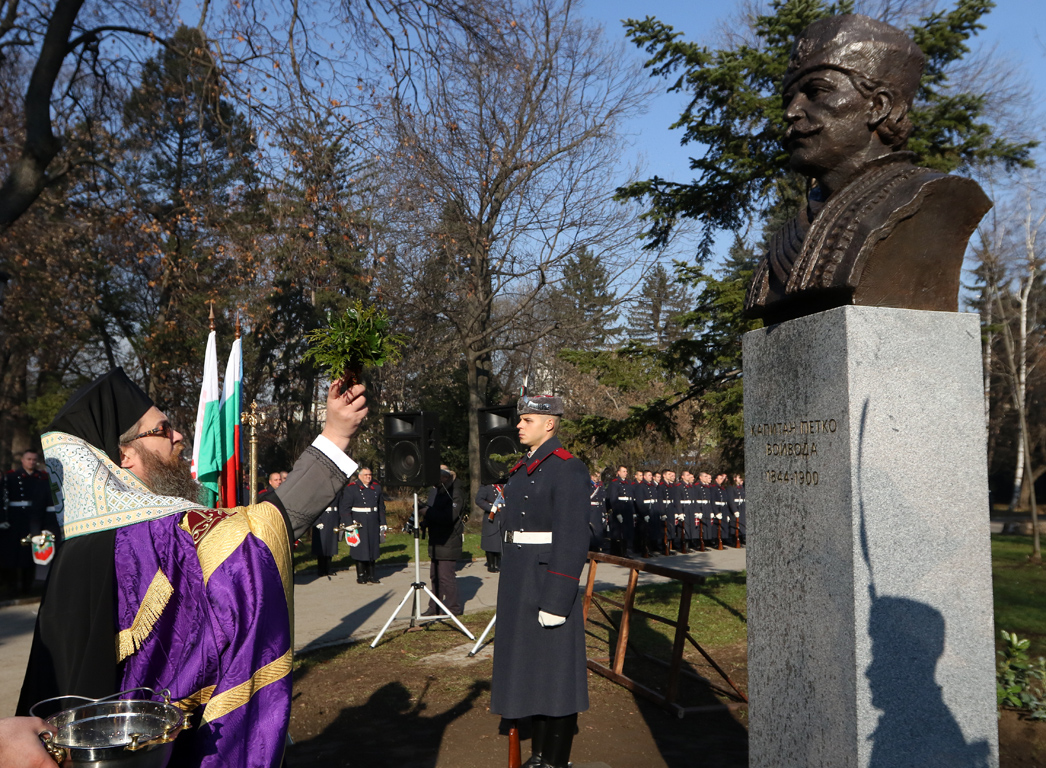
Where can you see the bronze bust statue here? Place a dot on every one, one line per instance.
(877, 230)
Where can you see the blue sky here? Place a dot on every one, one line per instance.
(1017, 29)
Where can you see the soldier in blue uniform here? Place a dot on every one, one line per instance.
(735, 500)
(489, 499)
(325, 537)
(597, 513)
(671, 495)
(685, 528)
(720, 512)
(621, 511)
(646, 498)
(363, 503)
(26, 500)
(539, 657)
(703, 510)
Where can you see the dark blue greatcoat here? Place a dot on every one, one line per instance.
(542, 670)
(325, 532)
(670, 498)
(720, 513)
(364, 504)
(646, 499)
(621, 502)
(29, 497)
(687, 507)
(703, 512)
(597, 515)
(735, 500)
(490, 533)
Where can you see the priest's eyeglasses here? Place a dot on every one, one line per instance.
(164, 429)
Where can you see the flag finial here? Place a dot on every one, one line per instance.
(212, 315)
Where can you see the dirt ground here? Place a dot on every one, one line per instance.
(417, 700)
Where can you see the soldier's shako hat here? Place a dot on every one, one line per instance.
(858, 45)
(542, 405)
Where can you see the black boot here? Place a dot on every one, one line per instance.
(538, 728)
(361, 575)
(559, 737)
(371, 576)
(497, 562)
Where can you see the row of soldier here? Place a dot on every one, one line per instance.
(649, 514)
(652, 513)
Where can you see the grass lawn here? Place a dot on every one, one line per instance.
(1020, 591)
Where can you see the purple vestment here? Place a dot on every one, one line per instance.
(203, 608)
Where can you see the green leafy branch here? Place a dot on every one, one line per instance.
(357, 339)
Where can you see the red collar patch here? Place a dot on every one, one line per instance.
(562, 453)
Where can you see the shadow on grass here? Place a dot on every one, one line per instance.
(718, 737)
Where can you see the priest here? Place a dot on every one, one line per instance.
(153, 590)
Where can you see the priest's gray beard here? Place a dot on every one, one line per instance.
(171, 477)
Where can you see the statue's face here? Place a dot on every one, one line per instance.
(828, 121)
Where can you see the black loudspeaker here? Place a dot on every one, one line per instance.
(412, 455)
(497, 436)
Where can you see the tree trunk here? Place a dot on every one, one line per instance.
(15, 435)
(27, 176)
(478, 381)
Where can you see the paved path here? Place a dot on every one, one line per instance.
(333, 610)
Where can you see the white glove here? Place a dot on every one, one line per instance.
(547, 619)
(383, 528)
(319, 526)
(680, 518)
(619, 518)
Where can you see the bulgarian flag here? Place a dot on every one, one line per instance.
(229, 411)
(206, 449)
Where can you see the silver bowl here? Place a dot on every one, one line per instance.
(131, 733)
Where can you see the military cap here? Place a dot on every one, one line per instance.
(542, 405)
(858, 45)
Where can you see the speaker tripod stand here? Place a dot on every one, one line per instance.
(415, 590)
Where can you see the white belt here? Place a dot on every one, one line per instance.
(685, 501)
(649, 501)
(624, 498)
(19, 503)
(528, 537)
(363, 509)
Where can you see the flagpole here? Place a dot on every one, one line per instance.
(206, 437)
(253, 419)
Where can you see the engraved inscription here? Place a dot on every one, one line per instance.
(797, 477)
(792, 440)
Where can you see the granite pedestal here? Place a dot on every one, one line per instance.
(870, 637)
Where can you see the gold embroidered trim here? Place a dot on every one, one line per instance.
(267, 524)
(221, 541)
(202, 696)
(227, 701)
(264, 521)
(130, 640)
